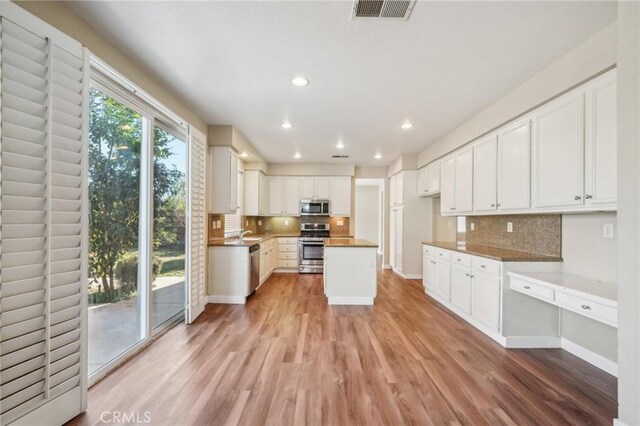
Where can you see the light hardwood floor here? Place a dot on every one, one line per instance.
(287, 358)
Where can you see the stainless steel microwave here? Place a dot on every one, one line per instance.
(310, 207)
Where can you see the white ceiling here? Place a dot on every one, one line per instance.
(233, 62)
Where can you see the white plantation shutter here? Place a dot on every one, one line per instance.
(43, 220)
(196, 291)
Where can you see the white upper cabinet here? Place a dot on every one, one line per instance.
(447, 186)
(291, 204)
(558, 152)
(433, 177)
(514, 166)
(255, 193)
(485, 174)
(315, 187)
(224, 180)
(396, 189)
(463, 180)
(423, 185)
(601, 141)
(340, 190)
(276, 195)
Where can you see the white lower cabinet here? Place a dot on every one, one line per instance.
(477, 289)
(485, 297)
(461, 288)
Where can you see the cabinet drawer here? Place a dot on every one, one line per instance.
(288, 248)
(288, 255)
(443, 254)
(588, 308)
(287, 240)
(461, 259)
(486, 266)
(531, 289)
(287, 263)
(428, 250)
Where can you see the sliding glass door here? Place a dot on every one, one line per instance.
(115, 312)
(169, 225)
(137, 226)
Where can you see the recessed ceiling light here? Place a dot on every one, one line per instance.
(297, 156)
(244, 154)
(340, 145)
(286, 125)
(378, 156)
(299, 81)
(406, 125)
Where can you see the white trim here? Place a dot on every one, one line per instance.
(56, 411)
(522, 342)
(406, 276)
(286, 271)
(591, 357)
(386, 266)
(618, 422)
(350, 300)
(227, 300)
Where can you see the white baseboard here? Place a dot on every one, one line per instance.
(228, 300)
(591, 357)
(413, 276)
(350, 300)
(386, 266)
(522, 342)
(618, 422)
(286, 271)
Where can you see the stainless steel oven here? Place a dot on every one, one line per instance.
(311, 247)
(310, 207)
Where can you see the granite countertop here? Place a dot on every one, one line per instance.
(248, 240)
(348, 242)
(499, 254)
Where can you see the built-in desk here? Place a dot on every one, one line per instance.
(588, 297)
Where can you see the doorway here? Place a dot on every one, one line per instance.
(369, 211)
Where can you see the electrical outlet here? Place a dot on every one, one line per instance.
(218, 224)
(286, 223)
(473, 226)
(246, 223)
(259, 223)
(341, 223)
(509, 227)
(607, 230)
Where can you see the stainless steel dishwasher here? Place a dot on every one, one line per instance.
(254, 255)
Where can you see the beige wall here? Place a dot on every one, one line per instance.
(592, 57)
(60, 16)
(629, 212)
(444, 227)
(367, 213)
(227, 135)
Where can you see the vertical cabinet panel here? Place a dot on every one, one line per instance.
(224, 180)
(443, 280)
(307, 187)
(429, 273)
(433, 177)
(276, 195)
(461, 289)
(485, 174)
(423, 184)
(463, 181)
(486, 301)
(291, 196)
(558, 152)
(514, 166)
(447, 185)
(340, 189)
(601, 141)
(323, 187)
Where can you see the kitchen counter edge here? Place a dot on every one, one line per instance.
(501, 255)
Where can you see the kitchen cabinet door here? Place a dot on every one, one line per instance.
(224, 180)
(291, 196)
(307, 187)
(392, 190)
(485, 174)
(264, 194)
(461, 289)
(323, 188)
(558, 145)
(463, 181)
(252, 193)
(447, 186)
(443, 280)
(397, 238)
(340, 196)
(428, 273)
(601, 141)
(276, 195)
(485, 298)
(514, 166)
(433, 177)
(423, 185)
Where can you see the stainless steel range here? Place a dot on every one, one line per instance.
(311, 247)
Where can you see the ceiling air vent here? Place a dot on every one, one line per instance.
(339, 156)
(398, 9)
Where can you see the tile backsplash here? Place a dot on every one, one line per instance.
(277, 225)
(541, 234)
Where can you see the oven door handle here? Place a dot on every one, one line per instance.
(312, 244)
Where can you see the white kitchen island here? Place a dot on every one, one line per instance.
(350, 273)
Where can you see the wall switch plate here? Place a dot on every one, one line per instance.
(341, 223)
(286, 223)
(607, 230)
(259, 223)
(246, 223)
(509, 227)
(473, 226)
(218, 224)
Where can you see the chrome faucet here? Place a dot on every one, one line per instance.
(243, 233)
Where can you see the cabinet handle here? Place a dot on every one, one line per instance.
(588, 197)
(468, 275)
(472, 276)
(577, 197)
(498, 204)
(459, 260)
(483, 266)
(493, 205)
(526, 287)
(587, 307)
